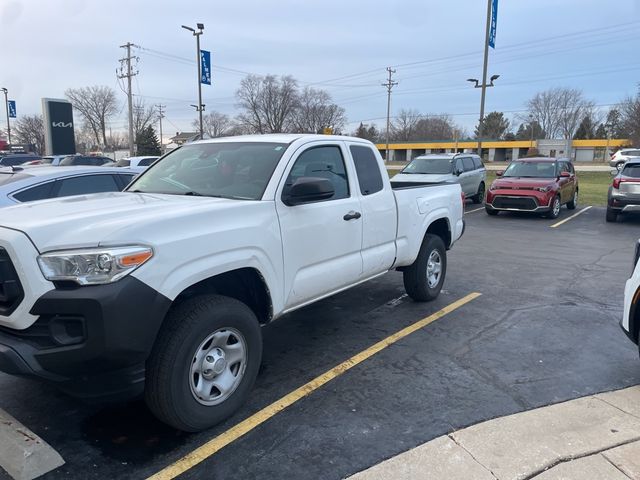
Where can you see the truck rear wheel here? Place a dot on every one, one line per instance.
(204, 362)
(424, 278)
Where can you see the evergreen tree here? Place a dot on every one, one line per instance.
(147, 142)
(494, 126)
(586, 129)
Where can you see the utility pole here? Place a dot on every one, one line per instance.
(484, 78)
(160, 117)
(128, 75)
(6, 106)
(200, 106)
(389, 85)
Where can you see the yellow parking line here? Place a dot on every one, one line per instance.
(212, 446)
(571, 217)
(471, 211)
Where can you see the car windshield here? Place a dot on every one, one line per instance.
(531, 170)
(228, 170)
(429, 166)
(631, 170)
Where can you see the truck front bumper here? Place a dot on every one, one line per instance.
(91, 342)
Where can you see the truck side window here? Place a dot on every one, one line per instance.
(324, 162)
(367, 168)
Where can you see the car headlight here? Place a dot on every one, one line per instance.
(543, 189)
(493, 187)
(93, 266)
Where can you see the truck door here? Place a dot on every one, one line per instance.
(321, 240)
(379, 215)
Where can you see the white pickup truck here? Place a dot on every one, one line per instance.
(162, 289)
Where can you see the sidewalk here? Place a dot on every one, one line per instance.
(594, 437)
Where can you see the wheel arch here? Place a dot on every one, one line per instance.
(245, 284)
(441, 228)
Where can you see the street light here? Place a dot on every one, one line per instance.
(6, 106)
(200, 106)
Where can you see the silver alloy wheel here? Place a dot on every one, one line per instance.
(575, 198)
(556, 207)
(218, 366)
(480, 193)
(434, 268)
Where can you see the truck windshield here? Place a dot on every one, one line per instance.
(435, 166)
(229, 170)
(531, 170)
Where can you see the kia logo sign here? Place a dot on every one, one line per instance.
(62, 124)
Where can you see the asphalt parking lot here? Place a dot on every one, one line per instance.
(544, 330)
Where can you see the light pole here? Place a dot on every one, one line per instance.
(197, 33)
(6, 106)
(484, 88)
(484, 76)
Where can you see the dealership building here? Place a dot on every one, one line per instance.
(596, 150)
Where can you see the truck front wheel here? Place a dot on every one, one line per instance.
(204, 362)
(424, 278)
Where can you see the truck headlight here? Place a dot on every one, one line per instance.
(93, 266)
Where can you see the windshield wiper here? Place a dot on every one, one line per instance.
(193, 194)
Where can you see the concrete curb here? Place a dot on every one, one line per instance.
(598, 433)
(23, 454)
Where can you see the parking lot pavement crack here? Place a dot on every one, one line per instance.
(453, 439)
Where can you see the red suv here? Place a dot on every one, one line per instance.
(540, 185)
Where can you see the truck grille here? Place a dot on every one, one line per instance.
(11, 293)
(517, 203)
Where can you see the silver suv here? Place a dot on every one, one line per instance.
(619, 158)
(466, 169)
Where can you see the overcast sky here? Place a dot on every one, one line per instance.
(343, 46)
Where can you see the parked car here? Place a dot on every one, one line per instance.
(26, 184)
(136, 161)
(540, 185)
(619, 158)
(630, 321)
(624, 192)
(464, 168)
(176, 275)
(93, 160)
(17, 159)
(53, 160)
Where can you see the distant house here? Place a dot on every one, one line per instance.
(184, 137)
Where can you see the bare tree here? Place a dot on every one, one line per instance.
(268, 103)
(559, 111)
(630, 118)
(316, 111)
(143, 116)
(437, 127)
(29, 129)
(403, 128)
(96, 105)
(215, 124)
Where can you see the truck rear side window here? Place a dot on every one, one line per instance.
(367, 168)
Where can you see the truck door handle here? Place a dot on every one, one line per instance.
(352, 215)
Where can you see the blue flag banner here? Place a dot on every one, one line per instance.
(205, 67)
(12, 108)
(494, 22)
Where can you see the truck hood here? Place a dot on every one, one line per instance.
(104, 218)
(423, 177)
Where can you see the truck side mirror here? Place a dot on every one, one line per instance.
(307, 190)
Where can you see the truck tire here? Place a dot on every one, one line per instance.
(203, 363)
(424, 278)
(611, 216)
